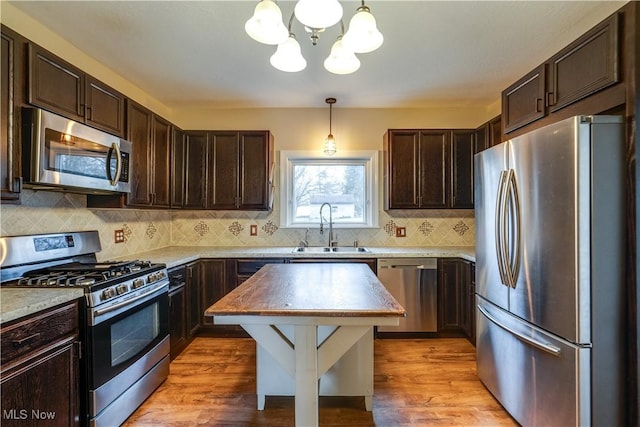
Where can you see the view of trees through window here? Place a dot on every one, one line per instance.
(341, 185)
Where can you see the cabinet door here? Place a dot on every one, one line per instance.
(213, 287)
(495, 131)
(449, 296)
(481, 138)
(178, 170)
(463, 150)
(193, 285)
(587, 65)
(177, 320)
(524, 101)
(223, 171)
(195, 170)
(139, 133)
(45, 387)
(10, 182)
(105, 107)
(55, 84)
(434, 169)
(402, 160)
(255, 167)
(160, 162)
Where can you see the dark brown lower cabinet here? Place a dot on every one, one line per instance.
(216, 280)
(454, 305)
(40, 369)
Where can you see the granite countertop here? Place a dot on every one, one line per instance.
(173, 256)
(19, 302)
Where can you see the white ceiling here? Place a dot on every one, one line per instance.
(196, 53)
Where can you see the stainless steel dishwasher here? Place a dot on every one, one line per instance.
(413, 282)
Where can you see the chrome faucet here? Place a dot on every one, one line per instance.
(331, 241)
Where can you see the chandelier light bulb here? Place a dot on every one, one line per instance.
(266, 26)
(318, 13)
(363, 35)
(288, 56)
(341, 60)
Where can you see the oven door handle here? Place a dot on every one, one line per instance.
(151, 293)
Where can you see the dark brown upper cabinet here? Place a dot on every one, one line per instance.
(223, 170)
(428, 168)
(586, 66)
(463, 149)
(150, 136)
(58, 86)
(11, 85)
(524, 101)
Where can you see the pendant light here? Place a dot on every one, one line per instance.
(330, 143)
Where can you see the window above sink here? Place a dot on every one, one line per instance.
(348, 181)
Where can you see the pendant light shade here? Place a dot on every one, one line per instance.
(330, 142)
(318, 13)
(341, 60)
(363, 35)
(266, 26)
(288, 56)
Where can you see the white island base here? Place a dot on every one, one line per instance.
(350, 375)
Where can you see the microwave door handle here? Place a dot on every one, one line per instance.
(116, 148)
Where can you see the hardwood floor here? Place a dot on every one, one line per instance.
(417, 383)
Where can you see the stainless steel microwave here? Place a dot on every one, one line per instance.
(60, 154)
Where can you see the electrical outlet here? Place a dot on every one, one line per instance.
(401, 231)
(253, 230)
(119, 236)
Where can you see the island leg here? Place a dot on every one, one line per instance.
(306, 400)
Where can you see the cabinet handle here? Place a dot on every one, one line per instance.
(538, 102)
(550, 99)
(90, 113)
(26, 339)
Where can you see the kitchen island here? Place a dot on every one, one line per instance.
(306, 318)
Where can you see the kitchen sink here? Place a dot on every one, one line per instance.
(326, 249)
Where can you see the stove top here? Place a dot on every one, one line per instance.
(69, 260)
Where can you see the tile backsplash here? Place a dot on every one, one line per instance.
(52, 212)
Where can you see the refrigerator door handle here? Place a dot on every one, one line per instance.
(500, 228)
(555, 351)
(513, 256)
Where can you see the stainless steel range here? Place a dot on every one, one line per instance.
(125, 333)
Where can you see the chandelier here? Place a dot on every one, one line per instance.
(266, 26)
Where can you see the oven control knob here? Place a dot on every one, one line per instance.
(138, 283)
(152, 277)
(121, 289)
(108, 293)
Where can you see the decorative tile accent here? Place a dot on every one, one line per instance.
(235, 228)
(270, 228)
(201, 228)
(390, 228)
(461, 228)
(426, 228)
(151, 230)
(127, 232)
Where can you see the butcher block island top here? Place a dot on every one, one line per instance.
(332, 290)
(313, 327)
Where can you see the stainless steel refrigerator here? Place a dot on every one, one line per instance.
(550, 233)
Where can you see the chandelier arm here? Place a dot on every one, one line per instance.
(291, 20)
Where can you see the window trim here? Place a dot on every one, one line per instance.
(370, 159)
